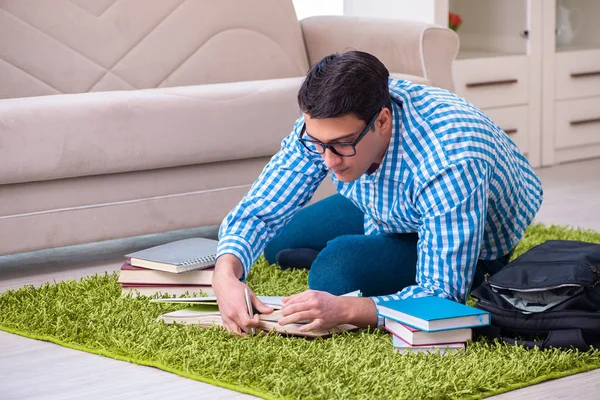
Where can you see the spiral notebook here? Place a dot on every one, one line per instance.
(177, 257)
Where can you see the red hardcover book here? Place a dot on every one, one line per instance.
(130, 274)
(416, 337)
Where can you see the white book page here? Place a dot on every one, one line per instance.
(275, 302)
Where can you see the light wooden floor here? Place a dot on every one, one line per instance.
(31, 369)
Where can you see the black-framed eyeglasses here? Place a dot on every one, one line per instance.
(343, 149)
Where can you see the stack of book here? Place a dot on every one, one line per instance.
(430, 324)
(184, 266)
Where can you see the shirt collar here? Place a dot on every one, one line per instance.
(393, 154)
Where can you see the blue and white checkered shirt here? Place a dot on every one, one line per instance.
(450, 174)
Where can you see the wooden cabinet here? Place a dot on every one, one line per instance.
(571, 81)
(530, 64)
(497, 67)
(492, 82)
(577, 74)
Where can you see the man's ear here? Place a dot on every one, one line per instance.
(384, 121)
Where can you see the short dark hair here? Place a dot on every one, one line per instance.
(353, 82)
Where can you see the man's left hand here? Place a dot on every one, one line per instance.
(322, 309)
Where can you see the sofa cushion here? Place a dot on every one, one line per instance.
(63, 136)
(76, 46)
(407, 47)
(413, 78)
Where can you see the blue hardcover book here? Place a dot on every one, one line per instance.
(433, 313)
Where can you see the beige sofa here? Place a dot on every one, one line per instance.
(128, 117)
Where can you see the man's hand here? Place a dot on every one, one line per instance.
(231, 299)
(324, 310)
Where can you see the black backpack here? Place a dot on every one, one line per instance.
(547, 297)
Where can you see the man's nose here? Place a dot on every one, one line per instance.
(331, 159)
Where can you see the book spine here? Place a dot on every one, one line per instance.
(207, 260)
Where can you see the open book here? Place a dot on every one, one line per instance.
(207, 315)
(204, 312)
(274, 302)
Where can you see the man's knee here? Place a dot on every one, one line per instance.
(375, 264)
(336, 268)
(315, 225)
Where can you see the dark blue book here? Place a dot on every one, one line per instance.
(431, 313)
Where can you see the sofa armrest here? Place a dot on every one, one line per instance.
(72, 135)
(405, 47)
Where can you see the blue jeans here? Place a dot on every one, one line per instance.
(348, 259)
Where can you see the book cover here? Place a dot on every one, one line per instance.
(433, 313)
(131, 274)
(177, 257)
(415, 336)
(201, 314)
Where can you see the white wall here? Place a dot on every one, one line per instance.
(430, 11)
(308, 8)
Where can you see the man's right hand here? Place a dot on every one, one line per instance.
(229, 291)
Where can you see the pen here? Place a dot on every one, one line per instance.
(249, 305)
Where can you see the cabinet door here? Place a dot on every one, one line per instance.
(577, 74)
(493, 82)
(571, 80)
(577, 123)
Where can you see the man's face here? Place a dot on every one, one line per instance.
(346, 129)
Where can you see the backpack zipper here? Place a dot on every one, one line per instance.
(538, 289)
(591, 267)
(595, 271)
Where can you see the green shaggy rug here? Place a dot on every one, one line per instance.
(90, 315)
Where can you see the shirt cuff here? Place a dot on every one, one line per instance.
(238, 247)
(380, 319)
(403, 294)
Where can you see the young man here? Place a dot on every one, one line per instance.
(432, 196)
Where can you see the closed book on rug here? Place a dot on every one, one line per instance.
(433, 313)
(173, 290)
(415, 336)
(206, 315)
(132, 274)
(201, 314)
(177, 257)
(402, 347)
